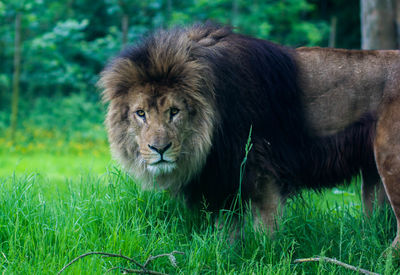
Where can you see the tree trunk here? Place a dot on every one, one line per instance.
(235, 13)
(397, 19)
(70, 8)
(169, 12)
(125, 27)
(124, 21)
(332, 35)
(17, 69)
(378, 28)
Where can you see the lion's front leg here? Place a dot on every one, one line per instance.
(387, 155)
(267, 205)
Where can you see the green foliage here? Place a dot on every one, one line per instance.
(284, 22)
(69, 115)
(66, 43)
(77, 117)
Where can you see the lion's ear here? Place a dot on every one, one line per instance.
(117, 78)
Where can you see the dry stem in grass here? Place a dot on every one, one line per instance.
(142, 270)
(334, 261)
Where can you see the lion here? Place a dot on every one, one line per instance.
(182, 102)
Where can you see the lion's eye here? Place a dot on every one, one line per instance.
(174, 111)
(140, 113)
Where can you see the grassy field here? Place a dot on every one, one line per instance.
(60, 201)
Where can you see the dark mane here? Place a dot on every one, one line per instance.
(256, 86)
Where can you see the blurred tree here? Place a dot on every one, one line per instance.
(125, 7)
(235, 12)
(16, 74)
(16, 9)
(346, 13)
(378, 24)
(124, 23)
(5, 65)
(332, 34)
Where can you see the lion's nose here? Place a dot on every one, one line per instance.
(160, 149)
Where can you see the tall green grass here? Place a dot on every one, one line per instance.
(61, 197)
(40, 233)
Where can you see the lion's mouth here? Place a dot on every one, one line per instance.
(161, 167)
(160, 161)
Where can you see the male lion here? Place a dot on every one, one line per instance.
(182, 102)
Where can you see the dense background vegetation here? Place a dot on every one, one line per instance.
(66, 43)
(60, 193)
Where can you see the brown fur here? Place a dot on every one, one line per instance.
(319, 116)
(340, 86)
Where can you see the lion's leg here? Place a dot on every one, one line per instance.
(267, 207)
(372, 190)
(387, 155)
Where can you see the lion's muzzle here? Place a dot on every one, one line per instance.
(160, 149)
(160, 158)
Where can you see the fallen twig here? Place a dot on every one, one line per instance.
(334, 261)
(170, 256)
(143, 269)
(138, 271)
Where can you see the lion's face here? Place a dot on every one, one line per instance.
(161, 114)
(159, 121)
(160, 133)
